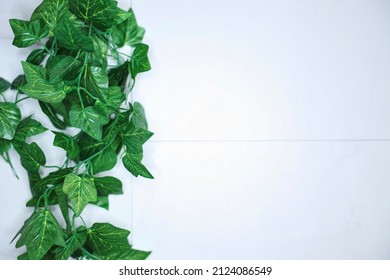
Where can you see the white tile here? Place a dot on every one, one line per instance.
(264, 201)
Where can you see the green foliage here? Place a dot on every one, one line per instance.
(82, 81)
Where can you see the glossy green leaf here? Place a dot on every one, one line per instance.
(105, 161)
(65, 68)
(36, 56)
(40, 233)
(31, 156)
(98, 58)
(132, 163)
(134, 138)
(95, 81)
(121, 16)
(50, 111)
(102, 201)
(128, 32)
(53, 179)
(75, 242)
(106, 238)
(27, 33)
(18, 82)
(80, 191)
(138, 118)
(50, 11)
(88, 120)
(29, 127)
(118, 75)
(9, 119)
(68, 143)
(5, 146)
(125, 254)
(114, 99)
(100, 13)
(140, 62)
(62, 200)
(4, 85)
(108, 185)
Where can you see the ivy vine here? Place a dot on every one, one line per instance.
(81, 77)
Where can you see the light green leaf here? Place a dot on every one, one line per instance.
(105, 161)
(27, 33)
(4, 85)
(36, 56)
(100, 13)
(50, 11)
(80, 191)
(132, 163)
(128, 32)
(5, 146)
(108, 185)
(105, 238)
(31, 156)
(138, 118)
(65, 68)
(9, 119)
(115, 98)
(134, 138)
(68, 143)
(88, 120)
(41, 232)
(29, 127)
(139, 62)
(76, 241)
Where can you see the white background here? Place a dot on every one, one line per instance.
(271, 123)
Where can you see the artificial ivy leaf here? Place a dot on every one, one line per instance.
(4, 85)
(50, 11)
(108, 185)
(125, 254)
(75, 242)
(132, 162)
(115, 98)
(31, 156)
(100, 13)
(51, 200)
(9, 119)
(23, 257)
(27, 33)
(128, 32)
(134, 137)
(28, 127)
(65, 68)
(104, 238)
(98, 58)
(63, 203)
(121, 16)
(106, 160)
(138, 118)
(36, 56)
(38, 86)
(50, 111)
(68, 143)
(102, 201)
(80, 191)
(53, 179)
(33, 179)
(88, 120)
(139, 62)
(95, 81)
(118, 75)
(5, 146)
(18, 82)
(41, 233)
(71, 35)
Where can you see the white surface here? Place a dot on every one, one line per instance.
(252, 70)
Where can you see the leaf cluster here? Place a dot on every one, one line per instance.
(80, 77)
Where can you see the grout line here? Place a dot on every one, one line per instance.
(271, 141)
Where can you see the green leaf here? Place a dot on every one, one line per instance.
(108, 185)
(132, 163)
(50, 111)
(50, 11)
(63, 203)
(121, 16)
(140, 62)
(99, 57)
(104, 238)
(71, 36)
(41, 232)
(105, 161)
(27, 33)
(9, 119)
(102, 201)
(138, 118)
(31, 156)
(80, 192)
(38, 86)
(29, 127)
(65, 68)
(36, 56)
(134, 138)
(95, 81)
(53, 179)
(68, 143)
(4, 85)
(125, 254)
(118, 75)
(18, 82)
(5, 146)
(23, 257)
(75, 242)
(115, 98)
(88, 120)
(100, 13)
(128, 32)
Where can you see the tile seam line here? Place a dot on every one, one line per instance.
(273, 141)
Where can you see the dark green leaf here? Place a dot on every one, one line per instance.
(128, 32)
(140, 62)
(27, 33)
(132, 162)
(63, 203)
(28, 127)
(49, 110)
(115, 98)
(68, 143)
(65, 68)
(88, 120)
(105, 161)
(53, 179)
(5, 146)
(104, 238)
(134, 138)
(125, 254)
(118, 76)
(100, 13)
(50, 11)
(18, 82)
(121, 16)
(80, 191)
(9, 119)
(95, 81)
(99, 57)
(23, 257)
(108, 185)
(31, 156)
(76, 241)
(102, 201)
(4, 85)
(36, 56)
(138, 118)
(40, 234)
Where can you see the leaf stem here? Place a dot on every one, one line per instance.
(20, 100)
(8, 160)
